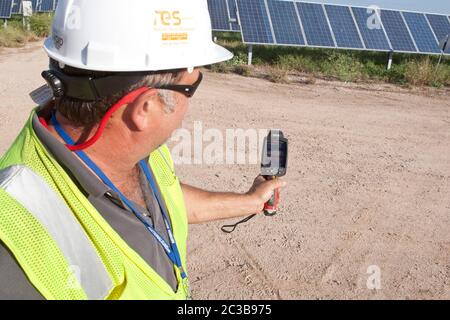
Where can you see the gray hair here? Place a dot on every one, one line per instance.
(169, 100)
(166, 96)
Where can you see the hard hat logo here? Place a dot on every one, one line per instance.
(58, 42)
(174, 37)
(168, 18)
(174, 26)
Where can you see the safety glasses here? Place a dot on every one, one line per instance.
(95, 89)
(187, 90)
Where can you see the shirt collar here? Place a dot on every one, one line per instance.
(88, 182)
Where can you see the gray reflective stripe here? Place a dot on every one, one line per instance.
(33, 193)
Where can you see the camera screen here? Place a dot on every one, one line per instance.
(276, 158)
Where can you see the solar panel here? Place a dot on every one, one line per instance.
(343, 25)
(440, 26)
(255, 22)
(397, 31)
(16, 7)
(232, 8)
(219, 15)
(421, 32)
(371, 29)
(223, 15)
(46, 6)
(34, 4)
(315, 23)
(5, 9)
(286, 25)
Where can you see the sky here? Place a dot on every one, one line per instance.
(431, 6)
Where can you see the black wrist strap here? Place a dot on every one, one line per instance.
(231, 228)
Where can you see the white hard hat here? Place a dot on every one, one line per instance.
(133, 35)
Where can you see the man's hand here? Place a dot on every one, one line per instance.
(203, 206)
(262, 191)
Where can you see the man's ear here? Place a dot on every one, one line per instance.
(144, 110)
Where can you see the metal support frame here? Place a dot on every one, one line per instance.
(440, 60)
(445, 43)
(229, 15)
(390, 57)
(250, 54)
(5, 23)
(26, 23)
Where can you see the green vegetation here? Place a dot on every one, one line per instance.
(280, 64)
(41, 24)
(15, 35)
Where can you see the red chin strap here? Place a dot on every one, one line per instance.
(129, 98)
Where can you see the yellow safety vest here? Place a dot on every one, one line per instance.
(62, 243)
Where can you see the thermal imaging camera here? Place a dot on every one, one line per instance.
(274, 165)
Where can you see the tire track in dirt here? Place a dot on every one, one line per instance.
(255, 276)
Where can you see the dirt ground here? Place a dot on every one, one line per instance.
(369, 185)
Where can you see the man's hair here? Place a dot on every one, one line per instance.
(89, 113)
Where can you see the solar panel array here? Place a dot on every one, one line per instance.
(5, 9)
(223, 15)
(301, 23)
(37, 5)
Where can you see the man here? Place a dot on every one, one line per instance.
(90, 206)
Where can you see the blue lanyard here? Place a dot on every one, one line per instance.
(172, 249)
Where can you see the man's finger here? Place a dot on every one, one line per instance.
(260, 179)
(276, 184)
